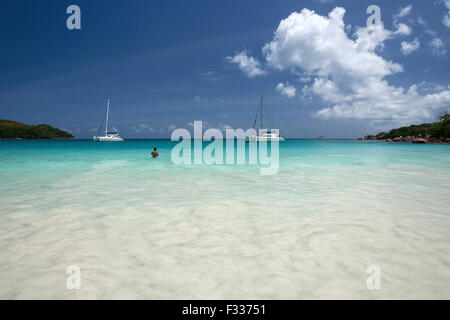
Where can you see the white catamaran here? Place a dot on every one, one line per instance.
(109, 135)
(264, 135)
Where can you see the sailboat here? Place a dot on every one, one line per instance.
(267, 135)
(109, 135)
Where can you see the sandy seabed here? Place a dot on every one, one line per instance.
(151, 230)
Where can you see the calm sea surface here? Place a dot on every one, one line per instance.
(146, 228)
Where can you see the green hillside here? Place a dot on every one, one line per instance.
(16, 130)
(438, 130)
(423, 133)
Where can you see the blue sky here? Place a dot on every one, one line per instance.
(167, 63)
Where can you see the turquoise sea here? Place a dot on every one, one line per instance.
(146, 228)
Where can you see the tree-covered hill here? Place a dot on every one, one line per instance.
(427, 132)
(16, 130)
(438, 130)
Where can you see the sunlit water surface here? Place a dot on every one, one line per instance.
(143, 228)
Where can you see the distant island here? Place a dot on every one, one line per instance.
(16, 130)
(436, 132)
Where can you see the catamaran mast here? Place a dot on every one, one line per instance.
(260, 110)
(261, 103)
(107, 114)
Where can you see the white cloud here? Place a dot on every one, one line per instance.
(319, 45)
(446, 19)
(305, 79)
(205, 124)
(403, 29)
(146, 128)
(171, 127)
(349, 75)
(369, 39)
(403, 12)
(408, 47)
(286, 89)
(421, 21)
(200, 99)
(211, 76)
(438, 47)
(424, 24)
(248, 65)
(93, 129)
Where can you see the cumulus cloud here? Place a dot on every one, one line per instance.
(446, 19)
(403, 29)
(408, 47)
(286, 89)
(403, 12)
(349, 74)
(144, 128)
(247, 64)
(438, 47)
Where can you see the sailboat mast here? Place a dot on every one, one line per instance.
(261, 103)
(107, 114)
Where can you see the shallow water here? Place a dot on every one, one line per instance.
(143, 228)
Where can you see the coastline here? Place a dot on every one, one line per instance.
(409, 139)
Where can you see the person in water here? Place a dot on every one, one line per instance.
(154, 153)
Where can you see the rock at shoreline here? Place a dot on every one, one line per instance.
(419, 140)
(379, 136)
(410, 139)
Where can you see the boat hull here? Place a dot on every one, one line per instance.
(108, 139)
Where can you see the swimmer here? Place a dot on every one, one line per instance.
(154, 153)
